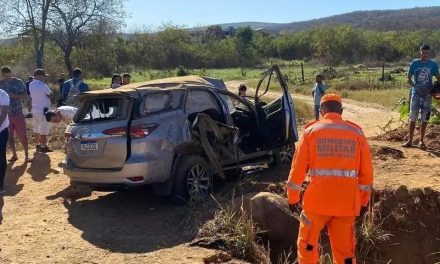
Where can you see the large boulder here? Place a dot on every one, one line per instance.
(270, 212)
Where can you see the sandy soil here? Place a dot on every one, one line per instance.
(47, 221)
(44, 220)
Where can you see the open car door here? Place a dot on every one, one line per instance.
(275, 110)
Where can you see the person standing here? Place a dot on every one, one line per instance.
(29, 99)
(74, 87)
(17, 123)
(336, 156)
(318, 91)
(61, 81)
(420, 75)
(4, 123)
(126, 79)
(41, 95)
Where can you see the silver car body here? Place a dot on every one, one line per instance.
(129, 136)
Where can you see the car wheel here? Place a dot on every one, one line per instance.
(193, 180)
(286, 153)
(283, 155)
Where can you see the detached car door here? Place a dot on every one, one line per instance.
(275, 110)
(97, 139)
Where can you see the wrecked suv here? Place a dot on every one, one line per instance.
(176, 134)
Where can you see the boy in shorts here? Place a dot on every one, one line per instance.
(420, 75)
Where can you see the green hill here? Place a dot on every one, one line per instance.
(383, 20)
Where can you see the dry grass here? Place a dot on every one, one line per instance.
(303, 110)
(361, 91)
(237, 233)
(371, 235)
(326, 259)
(387, 98)
(285, 258)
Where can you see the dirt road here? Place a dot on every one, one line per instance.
(46, 221)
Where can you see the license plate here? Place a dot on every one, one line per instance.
(89, 146)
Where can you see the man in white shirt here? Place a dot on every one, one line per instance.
(62, 113)
(4, 134)
(41, 95)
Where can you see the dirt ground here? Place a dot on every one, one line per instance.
(44, 220)
(47, 221)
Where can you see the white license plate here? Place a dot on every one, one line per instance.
(89, 146)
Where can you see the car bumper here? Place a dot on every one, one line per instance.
(147, 170)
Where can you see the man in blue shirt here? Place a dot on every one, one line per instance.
(318, 91)
(17, 124)
(420, 75)
(73, 87)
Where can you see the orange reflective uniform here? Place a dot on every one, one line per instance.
(337, 158)
(340, 230)
(336, 155)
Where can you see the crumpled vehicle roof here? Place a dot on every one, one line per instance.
(185, 80)
(191, 80)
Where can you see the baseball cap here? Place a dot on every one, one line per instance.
(40, 72)
(331, 97)
(6, 69)
(76, 72)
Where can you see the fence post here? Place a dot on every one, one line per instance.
(302, 73)
(289, 66)
(383, 73)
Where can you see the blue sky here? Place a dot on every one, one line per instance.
(153, 13)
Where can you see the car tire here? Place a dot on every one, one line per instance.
(192, 180)
(283, 155)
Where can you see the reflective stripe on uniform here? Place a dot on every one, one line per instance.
(365, 188)
(333, 172)
(304, 219)
(321, 126)
(294, 187)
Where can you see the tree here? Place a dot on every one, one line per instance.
(143, 47)
(213, 33)
(28, 18)
(244, 47)
(72, 19)
(171, 47)
(99, 40)
(265, 45)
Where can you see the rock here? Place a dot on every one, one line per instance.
(219, 257)
(270, 212)
(402, 192)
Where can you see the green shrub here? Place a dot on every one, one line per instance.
(402, 107)
(181, 71)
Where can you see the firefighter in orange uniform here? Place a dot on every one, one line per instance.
(337, 158)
